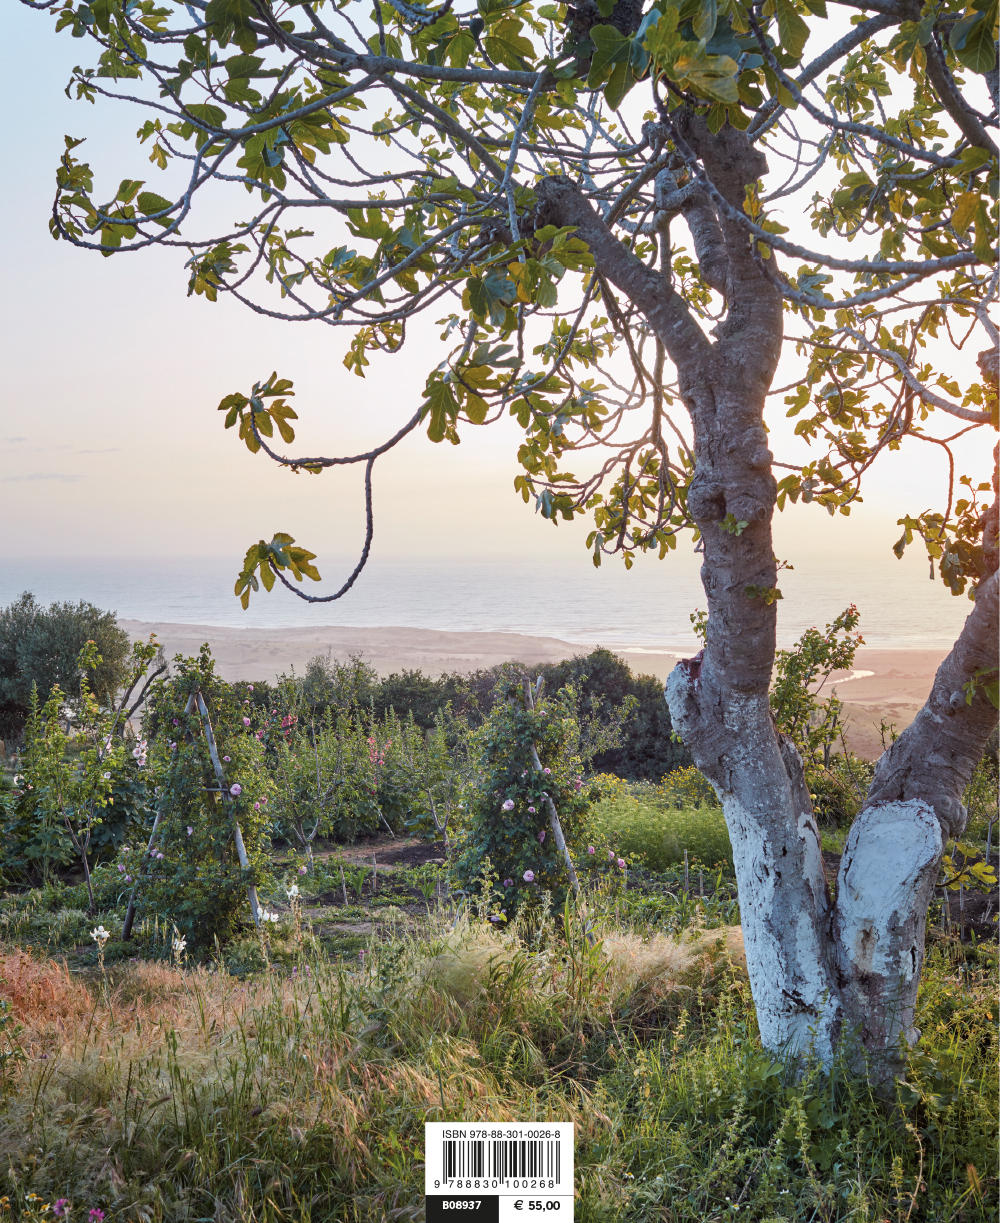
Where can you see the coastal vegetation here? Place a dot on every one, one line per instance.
(421, 951)
(575, 215)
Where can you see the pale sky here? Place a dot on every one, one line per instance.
(109, 438)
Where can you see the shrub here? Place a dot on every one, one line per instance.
(40, 646)
(192, 876)
(646, 826)
(508, 823)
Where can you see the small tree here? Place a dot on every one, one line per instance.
(190, 871)
(528, 766)
(41, 646)
(77, 756)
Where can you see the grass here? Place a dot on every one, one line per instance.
(646, 824)
(160, 1092)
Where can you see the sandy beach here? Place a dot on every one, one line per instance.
(889, 684)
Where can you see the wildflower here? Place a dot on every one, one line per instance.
(250, 688)
(267, 916)
(106, 776)
(621, 863)
(508, 883)
(494, 917)
(578, 784)
(190, 830)
(96, 1215)
(159, 856)
(173, 746)
(60, 1207)
(100, 935)
(547, 772)
(260, 734)
(179, 943)
(236, 790)
(246, 721)
(128, 878)
(302, 869)
(508, 804)
(176, 723)
(361, 955)
(591, 849)
(531, 810)
(256, 806)
(611, 855)
(226, 759)
(292, 892)
(528, 876)
(541, 836)
(121, 869)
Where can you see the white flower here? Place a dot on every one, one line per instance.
(267, 916)
(179, 944)
(292, 892)
(100, 935)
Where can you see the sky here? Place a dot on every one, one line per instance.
(110, 443)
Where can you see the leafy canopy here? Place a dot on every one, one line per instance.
(387, 168)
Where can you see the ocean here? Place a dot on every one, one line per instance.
(647, 608)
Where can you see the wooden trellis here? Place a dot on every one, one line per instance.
(196, 704)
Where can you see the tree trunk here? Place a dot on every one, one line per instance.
(823, 969)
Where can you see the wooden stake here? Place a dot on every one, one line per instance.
(160, 808)
(241, 849)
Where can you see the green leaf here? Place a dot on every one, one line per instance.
(705, 20)
(973, 39)
(149, 202)
(792, 28)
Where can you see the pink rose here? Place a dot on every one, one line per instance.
(541, 836)
(246, 721)
(591, 849)
(528, 876)
(508, 805)
(621, 863)
(236, 790)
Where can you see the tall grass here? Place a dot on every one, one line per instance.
(655, 825)
(159, 1094)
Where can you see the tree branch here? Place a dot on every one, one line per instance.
(934, 758)
(561, 202)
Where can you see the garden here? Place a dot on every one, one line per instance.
(254, 935)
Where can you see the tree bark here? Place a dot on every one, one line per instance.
(824, 970)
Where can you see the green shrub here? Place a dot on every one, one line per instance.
(192, 875)
(641, 825)
(508, 822)
(40, 646)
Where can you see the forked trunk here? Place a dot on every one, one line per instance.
(825, 968)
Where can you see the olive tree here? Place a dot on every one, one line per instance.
(573, 211)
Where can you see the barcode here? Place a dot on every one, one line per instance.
(501, 1159)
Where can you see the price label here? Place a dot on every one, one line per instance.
(500, 1172)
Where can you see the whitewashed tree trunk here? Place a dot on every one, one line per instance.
(824, 968)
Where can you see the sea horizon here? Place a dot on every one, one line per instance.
(645, 609)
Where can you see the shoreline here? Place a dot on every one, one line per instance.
(885, 683)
